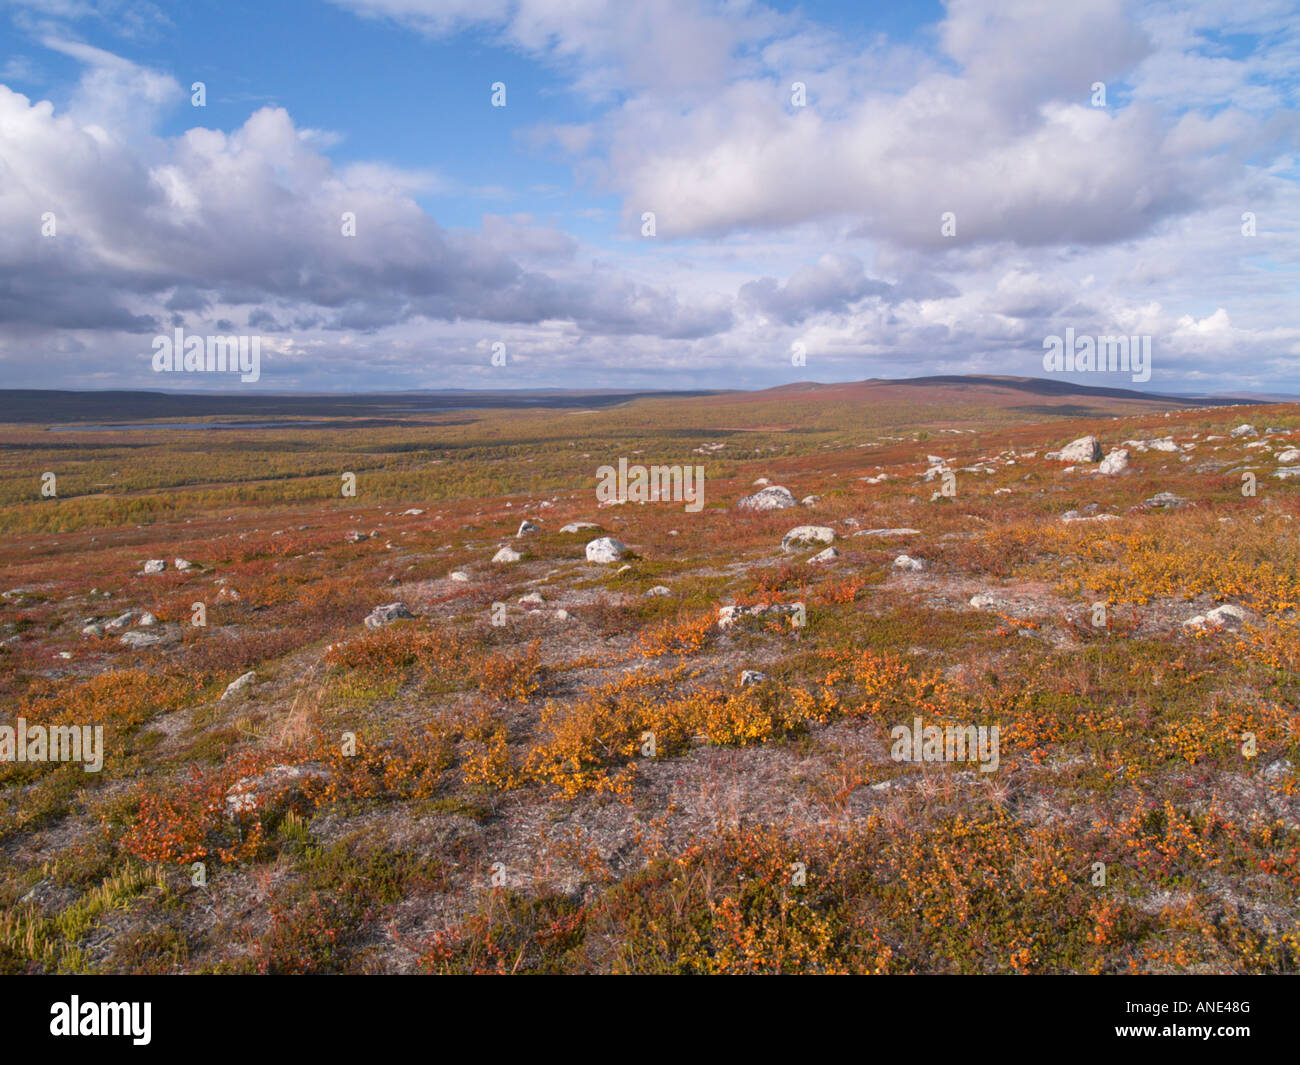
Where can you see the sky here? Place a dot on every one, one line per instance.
(649, 194)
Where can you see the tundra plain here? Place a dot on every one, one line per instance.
(680, 760)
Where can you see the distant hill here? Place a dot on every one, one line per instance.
(1030, 395)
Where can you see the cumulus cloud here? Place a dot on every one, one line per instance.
(257, 215)
(776, 223)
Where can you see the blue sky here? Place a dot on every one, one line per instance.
(777, 225)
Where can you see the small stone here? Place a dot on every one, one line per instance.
(239, 684)
(563, 615)
(908, 563)
(458, 575)
(155, 565)
(532, 599)
(579, 526)
(386, 615)
(658, 590)
(1166, 499)
(751, 676)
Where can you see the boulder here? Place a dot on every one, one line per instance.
(1115, 462)
(1085, 449)
(507, 554)
(908, 564)
(155, 565)
(606, 549)
(829, 555)
(774, 497)
(802, 535)
(138, 640)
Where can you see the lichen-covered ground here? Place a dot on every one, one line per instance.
(445, 793)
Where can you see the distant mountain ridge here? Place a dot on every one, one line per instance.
(58, 406)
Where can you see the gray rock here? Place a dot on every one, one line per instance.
(1085, 449)
(507, 554)
(801, 535)
(155, 565)
(887, 532)
(606, 549)
(1244, 430)
(386, 615)
(1166, 499)
(1115, 462)
(239, 684)
(579, 526)
(525, 527)
(751, 676)
(908, 563)
(829, 555)
(138, 640)
(774, 497)
(250, 794)
(657, 591)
